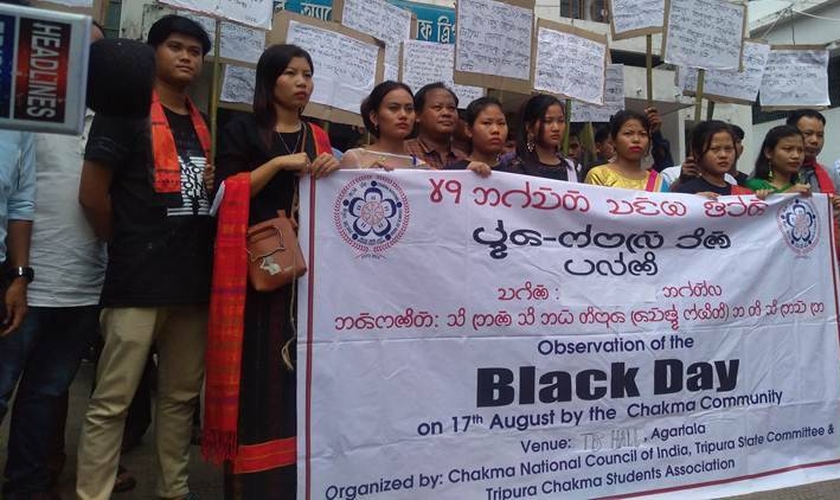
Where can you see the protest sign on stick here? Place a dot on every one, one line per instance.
(493, 47)
(705, 34)
(422, 63)
(613, 99)
(740, 87)
(380, 20)
(570, 62)
(632, 18)
(256, 13)
(795, 76)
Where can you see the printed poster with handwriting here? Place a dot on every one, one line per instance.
(630, 18)
(238, 85)
(705, 34)
(493, 45)
(795, 76)
(428, 62)
(730, 85)
(255, 13)
(563, 340)
(238, 43)
(380, 20)
(348, 64)
(613, 99)
(570, 62)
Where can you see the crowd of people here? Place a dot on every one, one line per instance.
(171, 279)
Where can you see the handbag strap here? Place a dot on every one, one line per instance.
(294, 215)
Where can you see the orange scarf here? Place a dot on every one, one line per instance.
(167, 178)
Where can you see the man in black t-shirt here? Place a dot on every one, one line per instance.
(143, 190)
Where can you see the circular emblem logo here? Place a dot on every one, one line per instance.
(371, 213)
(799, 224)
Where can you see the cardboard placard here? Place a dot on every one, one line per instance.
(381, 20)
(422, 63)
(614, 100)
(730, 86)
(632, 18)
(255, 13)
(706, 34)
(494, 44)
(569, 62)
(796, 76)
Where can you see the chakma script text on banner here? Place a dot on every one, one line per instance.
(462, 337)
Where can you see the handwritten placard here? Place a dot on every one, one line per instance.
(346, 67)
(730, 85)
(256, 13)
(380, 20)
(795, 76)
(493, 46)
(238, 84)
(705, 34)
(428, 62)
(629, 18)
(238, 43)
(73, 3)
(570, 62)
(613, 99)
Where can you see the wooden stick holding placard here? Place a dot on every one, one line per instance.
(710, 110)
(649, 68)
(214, 92)
(698, 98)
(568, 127)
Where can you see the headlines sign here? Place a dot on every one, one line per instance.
(43, 69)
(514, 337)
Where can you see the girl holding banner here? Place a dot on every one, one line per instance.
(250, 419)
(487, 129)
(538, 140)
(630, 132)
(778, 163)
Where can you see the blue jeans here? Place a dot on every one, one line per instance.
(44, 353)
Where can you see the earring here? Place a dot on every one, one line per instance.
(770, 175)
(530, 144)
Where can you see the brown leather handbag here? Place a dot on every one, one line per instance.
(274, 255)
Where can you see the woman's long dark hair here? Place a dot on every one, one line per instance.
(533, 111)
(372, 102)
(273, 62)
(771, 140)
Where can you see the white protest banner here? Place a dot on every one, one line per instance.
(570, 62)
(238, 84)
(493, 47)
(629, 18)
(795, 76)
(468, 338)
(238, 43)
(256, 13)
(348, 64)
(380, 20)
(613, 99)
(730, 85)
(422, 63)
(705, 34)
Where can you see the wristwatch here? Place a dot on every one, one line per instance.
(21, 272)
